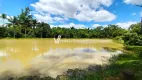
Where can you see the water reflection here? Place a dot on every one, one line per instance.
(3, 54)
(63, 59)
(45, 58)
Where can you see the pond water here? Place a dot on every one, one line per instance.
(46, 57)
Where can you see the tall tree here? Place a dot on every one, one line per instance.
(25, 19)
(135, 28)
(13, 21)
(34, 24)
(44, 29)
(3, 16)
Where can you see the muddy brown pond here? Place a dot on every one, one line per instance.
(46, 57)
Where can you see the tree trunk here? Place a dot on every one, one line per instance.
(14, 30)
(41, 32)
(20, 32)
(41, 35)
(141, 26)
(3, 22)
(6, 28)
(34, 31)
(25, 32)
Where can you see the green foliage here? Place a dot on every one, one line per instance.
(99, 32)
(119, 39)
(2, 32)
(3, 16)
(43, 30)
(132, 39)
(136, 49)
(113, 31)
(135, 28)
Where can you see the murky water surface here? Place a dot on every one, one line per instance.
(45, 57)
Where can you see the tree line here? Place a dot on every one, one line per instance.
(25, 26)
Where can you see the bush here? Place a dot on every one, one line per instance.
(132, 39)
(2, 32)
(119, 39)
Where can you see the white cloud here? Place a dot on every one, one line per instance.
(82, 10)
(134, 2)
(1, 21)
(44, 18)
(96, 25)
(88, 14)
(126, 25)
(48, 19)
(134, 14)
(78, 26)
(141, 13)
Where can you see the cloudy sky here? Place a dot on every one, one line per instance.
(78, 13)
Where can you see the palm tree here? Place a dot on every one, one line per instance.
(3, 16)
(13, 21)
(25, 19)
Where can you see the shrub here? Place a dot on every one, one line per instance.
(2, 32)
(119, 39)
(132, 39)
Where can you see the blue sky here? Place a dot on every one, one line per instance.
(78, 13)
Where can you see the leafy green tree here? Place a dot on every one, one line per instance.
(43, 29)
(135, 28)
(25, 19)
(113, 31)
(132, 39)
(98, 32)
